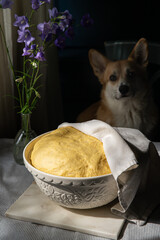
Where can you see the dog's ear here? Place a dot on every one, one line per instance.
(98, 63)
(140, 52)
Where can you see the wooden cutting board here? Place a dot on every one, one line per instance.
(34, 206)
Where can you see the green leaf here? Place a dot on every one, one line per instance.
(35, 80)
(24, 74)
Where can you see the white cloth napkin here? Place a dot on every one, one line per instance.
(135, 165)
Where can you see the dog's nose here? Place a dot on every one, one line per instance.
(124, 89)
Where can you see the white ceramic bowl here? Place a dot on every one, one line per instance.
(80, 193)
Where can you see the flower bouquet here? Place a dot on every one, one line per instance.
(53, 31)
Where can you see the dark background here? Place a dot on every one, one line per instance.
(113, 21)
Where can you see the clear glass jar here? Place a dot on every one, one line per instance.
(23, 137)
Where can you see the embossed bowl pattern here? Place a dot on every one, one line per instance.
(79, 193)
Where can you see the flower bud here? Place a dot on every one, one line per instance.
(19, 80)
(34, 64)
(37, 94)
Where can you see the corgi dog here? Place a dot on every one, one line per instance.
(126, 99)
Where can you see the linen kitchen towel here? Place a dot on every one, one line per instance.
(135, 165)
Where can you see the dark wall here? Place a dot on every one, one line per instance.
(113, 20)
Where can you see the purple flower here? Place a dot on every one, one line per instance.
(32, 50)
(29, 51)
(67, 15)
(46, 30)
(6, 3)
(26, 51)
(33, 47)
(54, 27)
(60, 41)
(86, 20)
(65, 20)
(25, 36)
(35, 4)
(61, 20)
(21, 22)
(64, 24)
(69, 32)
(40, 55)
(53, 13)
(46, 1)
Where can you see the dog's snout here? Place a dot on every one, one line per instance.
(124, 89)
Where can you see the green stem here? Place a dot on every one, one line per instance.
(24, 85)
(36, 74)
(29, 19)
(19, 94)
(31, 83)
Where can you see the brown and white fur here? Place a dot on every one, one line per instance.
(126, 99)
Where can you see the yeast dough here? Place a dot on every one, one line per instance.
(69, 152)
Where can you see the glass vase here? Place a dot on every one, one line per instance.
(23, 137)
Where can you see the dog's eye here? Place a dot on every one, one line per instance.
(113, 78)
(130, 74)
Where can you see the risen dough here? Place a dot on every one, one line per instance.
(69, 152)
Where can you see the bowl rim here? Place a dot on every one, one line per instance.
(56, 176)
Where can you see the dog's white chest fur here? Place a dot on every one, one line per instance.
(126, 113)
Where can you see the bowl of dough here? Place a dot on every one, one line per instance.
(71, 168)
